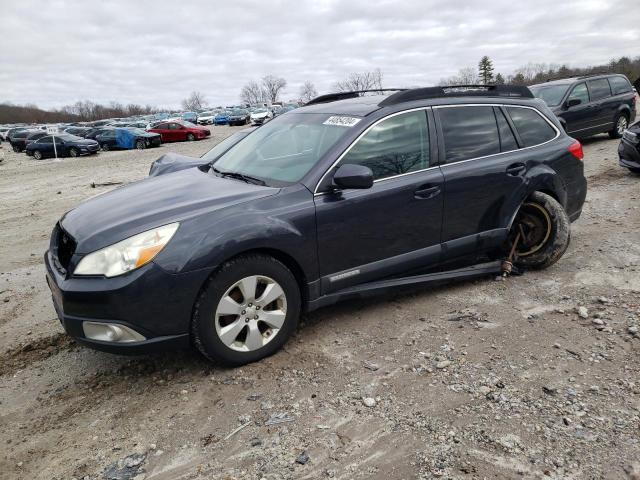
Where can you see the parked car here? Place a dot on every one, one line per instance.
(95, 131)
(345, 197)
(260, 116)
(239, 117)
(179, 131)
(590, 105)
(629, 149)
(78, 131)
(3, 133)
(206, 118)
(18, 139)
(190, 117)
(127, 138)
(222, 118)
(34, 135)
(67, 145)
(174, 162)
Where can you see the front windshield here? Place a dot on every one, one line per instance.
(284, 149)
(551, 94)
(224, 145)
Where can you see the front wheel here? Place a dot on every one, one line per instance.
(16, 148)
(105, 147)
(247, 310)
(37, 154)
(141, 145)
(620, 125)
(191, 137)
(73, 152)
(542, 230)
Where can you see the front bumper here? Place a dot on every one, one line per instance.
(629, 155)
(152, 302)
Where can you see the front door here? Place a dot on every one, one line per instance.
(582, 118)
(392, 227)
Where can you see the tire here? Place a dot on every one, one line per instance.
(635, 171)
(190, 137)
(16, 148)
(240, 346)
(141, 145)
(73, 152)
(620, 125)
(548, 239)
(37, 154)
(105, 147)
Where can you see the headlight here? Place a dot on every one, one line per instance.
(128, 254)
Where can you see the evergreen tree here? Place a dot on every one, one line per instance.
(499, 79)
(485, 70)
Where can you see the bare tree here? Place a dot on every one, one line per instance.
(195, 101)
(308, 92)
(360, 81)
(252, 93)
(465, 76)
(272, 86)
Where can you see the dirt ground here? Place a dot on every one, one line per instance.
(482, 379)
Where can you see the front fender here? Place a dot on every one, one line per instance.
(283, 223)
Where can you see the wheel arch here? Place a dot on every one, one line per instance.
(543, 180)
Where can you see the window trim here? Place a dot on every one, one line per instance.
(364, 132)
(439, 164)
(503, 105)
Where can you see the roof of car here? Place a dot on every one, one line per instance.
(567, 80)
(366, 104)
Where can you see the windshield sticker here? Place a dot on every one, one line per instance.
(341, 121)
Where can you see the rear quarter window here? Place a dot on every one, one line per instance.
(619, 85)
(469, 132)
(532, 128)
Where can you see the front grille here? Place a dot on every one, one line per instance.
(64, 248)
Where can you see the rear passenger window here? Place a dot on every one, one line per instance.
(599, 88)
(532, 128)
(507, 139)
(619, 85)
(397, 145)
(469, 132)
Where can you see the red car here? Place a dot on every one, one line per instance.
(179, 131)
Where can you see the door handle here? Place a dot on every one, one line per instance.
(427, 192)
(516, 169)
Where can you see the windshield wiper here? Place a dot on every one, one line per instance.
(239, 176)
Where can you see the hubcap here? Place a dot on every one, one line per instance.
(533, 223)
(251, 313)
(622, 125)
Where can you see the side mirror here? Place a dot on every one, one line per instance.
(573, 102)
(353, 176)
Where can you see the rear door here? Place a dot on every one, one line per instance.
(480, 176)
(604, 106)
(579, 118)
(394, 226)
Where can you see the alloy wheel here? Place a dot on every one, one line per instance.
(37, 155)
(251, 313)
(621, 126)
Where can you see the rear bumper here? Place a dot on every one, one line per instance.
(628, 155)
(154, 303)
(576, 195)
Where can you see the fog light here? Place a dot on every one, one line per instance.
(110, 332)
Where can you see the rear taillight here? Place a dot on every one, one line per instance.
(575, 149)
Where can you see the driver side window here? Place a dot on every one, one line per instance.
(396, 145)
(580, 92)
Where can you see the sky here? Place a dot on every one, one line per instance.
(55, 52)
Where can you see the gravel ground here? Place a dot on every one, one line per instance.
(533, 377)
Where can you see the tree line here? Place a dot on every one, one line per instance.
(270, 88)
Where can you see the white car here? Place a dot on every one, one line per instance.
(260, 116)
(206, 118)
(3, 132)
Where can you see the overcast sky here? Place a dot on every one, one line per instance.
(156, 52)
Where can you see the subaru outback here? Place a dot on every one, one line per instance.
(347, 196)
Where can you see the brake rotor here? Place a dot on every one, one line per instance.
(534, 225)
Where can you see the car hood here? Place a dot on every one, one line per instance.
(260, 115)
(84, 141)
(174, 162)
(140, 206)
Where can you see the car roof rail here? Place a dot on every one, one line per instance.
(334, 97)
(582, 77)
(457, 91)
